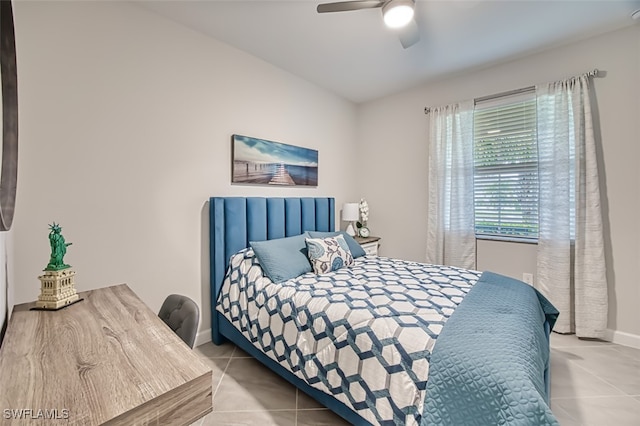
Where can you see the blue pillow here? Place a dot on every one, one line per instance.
(283, 258)
(355, 248)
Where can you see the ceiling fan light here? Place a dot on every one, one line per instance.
(397, 13)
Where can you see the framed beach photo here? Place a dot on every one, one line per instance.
(262, 162)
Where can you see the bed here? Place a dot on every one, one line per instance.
(362, 339)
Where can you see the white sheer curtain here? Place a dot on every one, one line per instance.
(571, 265)
(450, 226)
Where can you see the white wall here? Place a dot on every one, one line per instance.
(125, 132)
(392, 134)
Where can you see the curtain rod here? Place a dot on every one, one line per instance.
(593, 73)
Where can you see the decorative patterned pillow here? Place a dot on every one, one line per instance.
(328, 254)
(356, 249)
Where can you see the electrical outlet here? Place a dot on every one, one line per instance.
(527, 278)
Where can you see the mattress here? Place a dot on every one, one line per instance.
(363, 334)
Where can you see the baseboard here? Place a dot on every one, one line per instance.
(203, 337)
(622, 338)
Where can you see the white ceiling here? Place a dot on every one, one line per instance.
(355, 56)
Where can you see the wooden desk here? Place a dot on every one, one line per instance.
(107, 359)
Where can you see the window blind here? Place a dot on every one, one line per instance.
(506, 167)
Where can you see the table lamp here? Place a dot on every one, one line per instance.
(350, 213)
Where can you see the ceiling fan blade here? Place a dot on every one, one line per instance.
(409, 35)
(344, 6)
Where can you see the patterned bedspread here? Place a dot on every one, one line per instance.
(363, 334)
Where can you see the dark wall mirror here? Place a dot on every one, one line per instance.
(9, 152)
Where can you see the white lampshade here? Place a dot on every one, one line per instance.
(397, 13)
(350, 212)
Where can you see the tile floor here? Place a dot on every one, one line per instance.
(592, 383)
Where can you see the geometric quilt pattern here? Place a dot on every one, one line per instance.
(363, 334)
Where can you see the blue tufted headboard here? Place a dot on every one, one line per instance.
(234, 221)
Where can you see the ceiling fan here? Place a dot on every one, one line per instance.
(397, 14)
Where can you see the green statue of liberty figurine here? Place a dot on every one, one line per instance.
(58, 249)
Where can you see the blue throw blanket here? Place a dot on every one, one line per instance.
(485, 344)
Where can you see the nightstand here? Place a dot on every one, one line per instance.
(369, 244)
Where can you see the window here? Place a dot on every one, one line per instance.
(506, 168)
